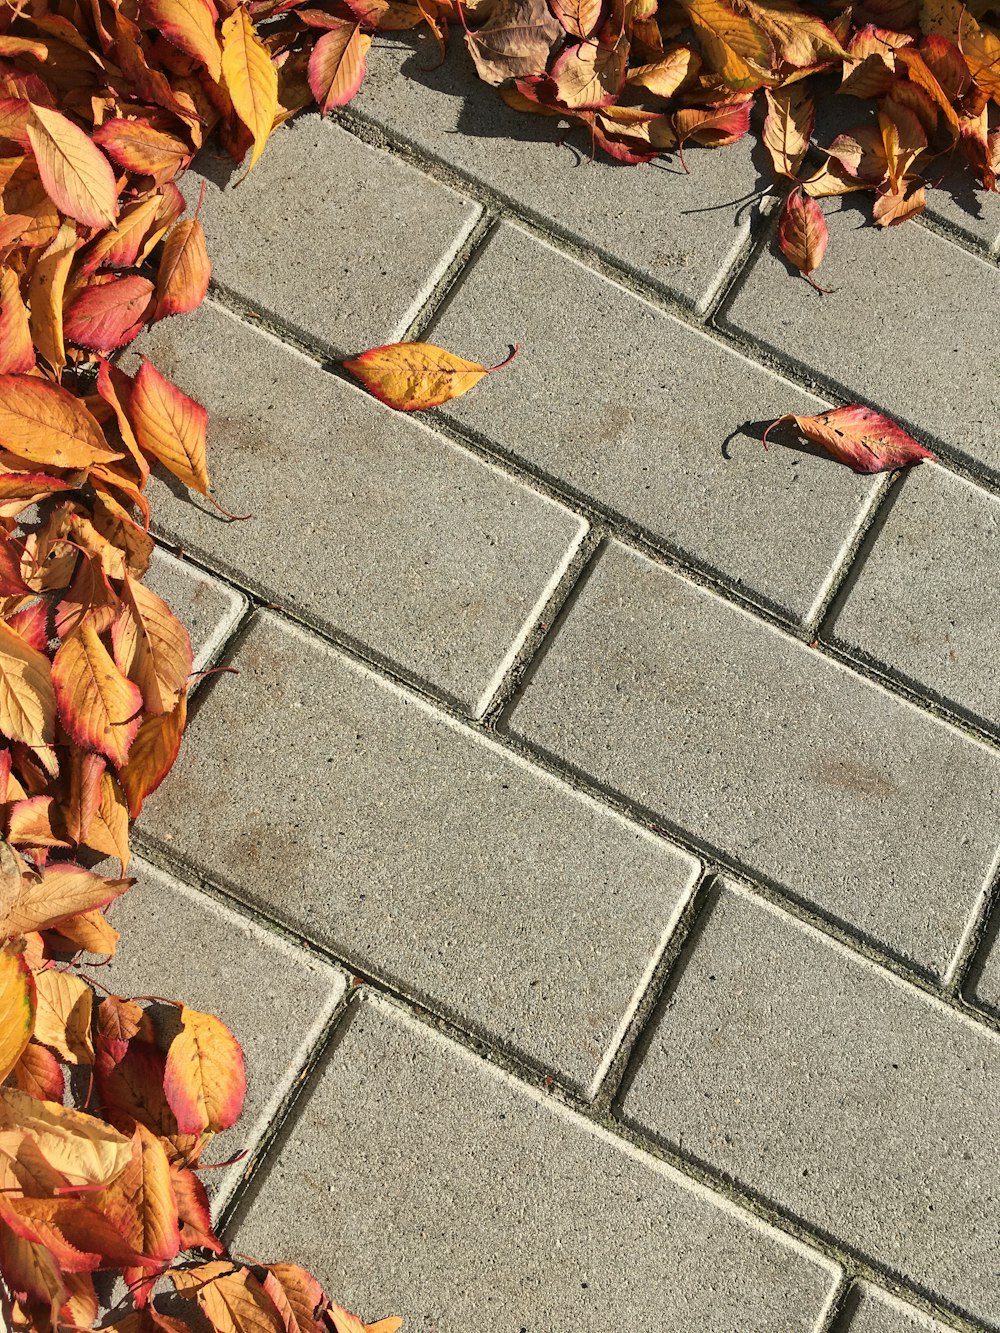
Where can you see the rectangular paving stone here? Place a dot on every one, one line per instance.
(845, 1096)
(872, 1310)
(365, 522)
(338, 240)
(682, 233)
(925, 602)
(796, 768)
(471, 1202)
(208, 608)
(419, 851)
(657, 422)
(275, 998)
(903, 329)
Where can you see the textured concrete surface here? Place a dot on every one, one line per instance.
(561, 1227)
(875, 1311)
(835, 1089)
(493, 745)
(364, 521)
(914, 610)
(421, 852)
(688, 468)
(178, 943)
(352, 267)
(757, 746)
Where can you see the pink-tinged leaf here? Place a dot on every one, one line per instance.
(170, 426)
(190, 26)
(859, 437)
(803, 234)
(18, 490)
(337, 64)
(714, 127)
(579, 17)
(99, 707)
(205, 1081)
(76, 174)
(139, 147)
(17, 353)
(185, 270)
(108, 315)
(588, 75)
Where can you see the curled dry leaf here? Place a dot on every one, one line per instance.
(412, 376)
(803, 234)
(861, 438)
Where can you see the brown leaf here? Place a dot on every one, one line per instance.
(788, 127)
(516, 40)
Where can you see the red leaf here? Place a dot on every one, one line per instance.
(803, 234)
(859, 437)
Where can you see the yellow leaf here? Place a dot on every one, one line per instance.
(100, 708)
(204, 1079)
(411, 376)
(17, 1007)
(86, 1150)
(108, 833)
(76, 174)
(250, 78)
(41, 901)
(63, 1016)
(27, 699)
(730, 44)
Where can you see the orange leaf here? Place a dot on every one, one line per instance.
(803, 234)
(170, 426)
(185, 269)
(337, 65)
(108, 832)
(90, 931)
(411, 376)
(17, 354)
(62, 890)
(864, 440)
(107, 315)
(788, 127)
(140, 1204)
(99, 707)
(27, 700)
(76, 175)
(39, 1074)
(152, 647)
(45, 423)
(204, 1081)
(139, 147)
(190, 26)
(64, 1015)
(45, 295)
(17, 1007)
(18, 490)
(250, 78)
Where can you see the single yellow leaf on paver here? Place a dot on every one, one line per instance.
(411, 376)
(250, 78)
(76, 174)
(17, 1007)
(99, 707)
(27, 699)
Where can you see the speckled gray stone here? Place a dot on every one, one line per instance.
(276, 999)
(472, 1203)
(365, 521)
(795, 767)
(336, 239)
(420, 852)
(935, 372)
(824, 1083)
(208, 608)
(875, 1311)
(680, 232)
(925, 601)
(649, 421)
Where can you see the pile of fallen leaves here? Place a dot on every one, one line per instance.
(106, 1104)
(646, 77)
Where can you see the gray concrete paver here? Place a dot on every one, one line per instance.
(848, 1097)
(276, 999)
(903, 328)
(209, 609)
(421, 852)
(682, 233)
(925, 601)
(470, 1202)
(755, 744)
(647, 419)
(875, 1311)
(335, 239)
(365, 521)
